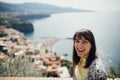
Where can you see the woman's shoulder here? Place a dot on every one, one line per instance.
(96, 70)
(96, 64)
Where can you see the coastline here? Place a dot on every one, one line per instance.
(16, 50)
(47, 43)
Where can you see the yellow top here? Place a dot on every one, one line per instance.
(81, 72)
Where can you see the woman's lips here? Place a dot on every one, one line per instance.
(80, 50)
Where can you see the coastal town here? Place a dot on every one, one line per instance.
(21, 57)
(24, 59)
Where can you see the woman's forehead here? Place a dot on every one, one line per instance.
(80, 38)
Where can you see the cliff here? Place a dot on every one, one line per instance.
(23, 27)
(18, 24)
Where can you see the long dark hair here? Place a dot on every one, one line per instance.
(88, 35)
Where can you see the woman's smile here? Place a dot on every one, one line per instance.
(82, 47)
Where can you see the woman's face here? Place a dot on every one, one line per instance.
(82, 47)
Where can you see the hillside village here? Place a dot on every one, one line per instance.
(22, 57)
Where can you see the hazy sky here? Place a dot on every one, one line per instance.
(82, 4)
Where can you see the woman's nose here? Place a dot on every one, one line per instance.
(80, 45)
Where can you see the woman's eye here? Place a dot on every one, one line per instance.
(76, 41)
(85, 41)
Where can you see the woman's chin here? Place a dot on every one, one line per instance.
(80, 55)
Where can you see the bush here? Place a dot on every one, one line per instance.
(2, 69)
(19, 67)
(113, 72)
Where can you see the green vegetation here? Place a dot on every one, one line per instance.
(46, 51)
(19, 67)
(69, 66)
(113, 72)
(9, 21)
(18, 24)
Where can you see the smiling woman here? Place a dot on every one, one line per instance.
(85, 60)
(82, 47)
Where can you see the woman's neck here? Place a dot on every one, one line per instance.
(82, 61)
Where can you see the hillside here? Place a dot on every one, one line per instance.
(34, 8)
(6, 7)
(10, 13)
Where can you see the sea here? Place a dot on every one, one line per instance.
(105, 26)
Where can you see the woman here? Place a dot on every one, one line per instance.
(85, 61)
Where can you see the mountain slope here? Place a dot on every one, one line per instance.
(6, 7)
(34, 8)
